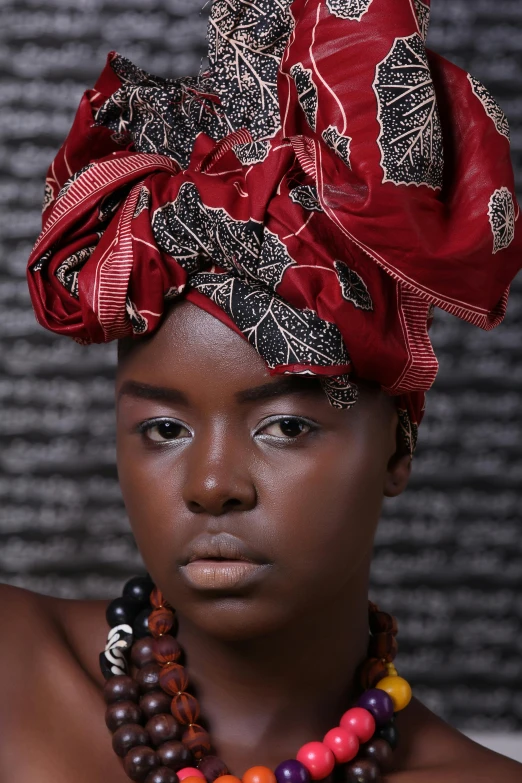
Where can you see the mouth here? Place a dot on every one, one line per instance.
(220, 574)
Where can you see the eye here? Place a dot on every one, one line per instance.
(163, 430)
(287, 428)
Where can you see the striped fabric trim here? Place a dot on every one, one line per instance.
(304, 149)
(422, 365)
(241, 136)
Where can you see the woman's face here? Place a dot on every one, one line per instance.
(211, 445)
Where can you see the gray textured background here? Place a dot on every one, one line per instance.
(448, 561)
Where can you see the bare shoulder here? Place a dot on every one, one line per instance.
(42, 629)
(432, 751)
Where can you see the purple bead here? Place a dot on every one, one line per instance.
(292, 771)
(379, 703)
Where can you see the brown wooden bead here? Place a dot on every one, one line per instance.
(139, 762)
(156, 598)
(362, 771)
(154, 703)
(173, 678)
(166, 649)
(175, 755)
(197, 740)
(162, 775)
(212, 767)
(121, 712)
(163, 728)
(120, 688)
(148, 677)
(160, 621)
(379, 751)
(127, 737)
(381, 645)
(185, 708)
(142, 652)
(371, 671)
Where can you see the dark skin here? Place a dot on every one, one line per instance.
(299, 483)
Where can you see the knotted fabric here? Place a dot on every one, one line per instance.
(320, 188)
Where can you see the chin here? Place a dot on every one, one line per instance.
(235, 618)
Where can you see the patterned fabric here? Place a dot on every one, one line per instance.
(320, 188)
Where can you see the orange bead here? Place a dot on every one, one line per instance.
(258, 775)
(192, 779)
(228, 779)
(398, 689)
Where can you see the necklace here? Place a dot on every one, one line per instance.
(153, 717)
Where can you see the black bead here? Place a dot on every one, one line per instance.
(122, 611)
(139, 588)
(389, 733)
(141, 625)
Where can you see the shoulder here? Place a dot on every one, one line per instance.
(40, 630)
(432, 751)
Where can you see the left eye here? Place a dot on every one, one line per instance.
(162, 431)
(287, 428)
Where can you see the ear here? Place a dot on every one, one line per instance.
(397, 474)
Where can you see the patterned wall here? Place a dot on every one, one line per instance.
(448, 559)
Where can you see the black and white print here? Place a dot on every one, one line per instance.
(349, 9)
(410, 139)
(138, 321)
(490, 105)
(75, 176)
(198, 236)
(353, 287)
(280, 333)
(246, 42)
(341, 392)
(69, 269)
(113, 661)
(48, 196)
(143, 202)
(408, 430)
(338, 143)
(422, 14)
(306, 92)
(306, 196)
(110, 203)
(501, 213)
(255, 152)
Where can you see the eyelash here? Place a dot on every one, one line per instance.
(147, 426)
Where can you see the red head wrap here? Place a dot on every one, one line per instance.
(320, 188)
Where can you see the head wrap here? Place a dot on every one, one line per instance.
(320, 188)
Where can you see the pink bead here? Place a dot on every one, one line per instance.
(187, 772)
(317, 758)
(359, 721)
(343, 743)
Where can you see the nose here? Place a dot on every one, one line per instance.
(218, 479)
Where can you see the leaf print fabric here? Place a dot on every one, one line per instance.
(243, 187)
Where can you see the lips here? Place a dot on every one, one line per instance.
(223, 546)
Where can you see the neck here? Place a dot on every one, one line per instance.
(263, 698)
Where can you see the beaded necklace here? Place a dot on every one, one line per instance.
(152, 716)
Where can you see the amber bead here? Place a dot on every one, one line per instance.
(121, 712)
(127, 737)
(185, 708)
(148, 677)
(173, 678)
(163, 728)
(212, 767)
(160, 621)
(197, 740)
(372, 670)
(162, 775)
(362, 771)
(142, 652)
(379, 751)
(398, 689)
(166, 649)
(154, 703)
(175, 755)
(139, 761)
(156, 598)
(120, 688)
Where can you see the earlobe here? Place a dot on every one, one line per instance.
(397, 475)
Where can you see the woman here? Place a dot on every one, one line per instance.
(267, 242)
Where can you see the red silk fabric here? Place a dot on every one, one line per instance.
(380, 186)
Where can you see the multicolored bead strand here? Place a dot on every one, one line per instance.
(153, 716)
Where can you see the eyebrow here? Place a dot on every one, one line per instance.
(280, 388)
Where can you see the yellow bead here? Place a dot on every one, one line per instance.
(392, 671)
(398, 689)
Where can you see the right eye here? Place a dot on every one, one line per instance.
(164, 430)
